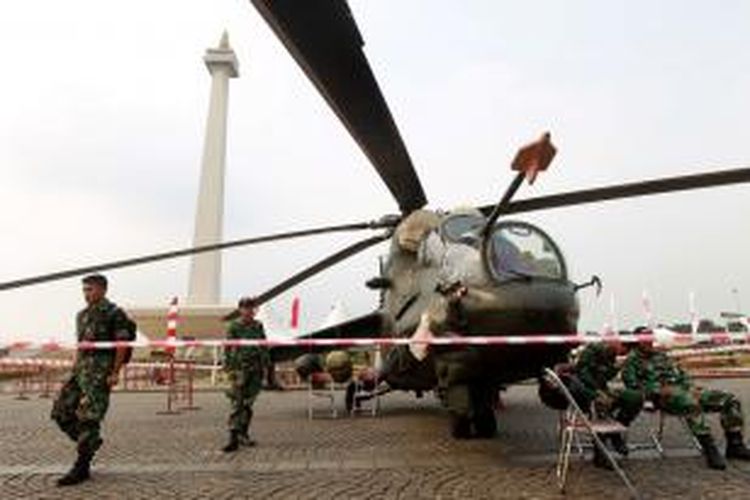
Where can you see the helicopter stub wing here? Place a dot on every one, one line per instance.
(324, 39)
(367, 326)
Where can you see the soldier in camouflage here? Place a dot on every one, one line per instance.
(245, 367)
(83, 400)
(671, 390)
(589, 384)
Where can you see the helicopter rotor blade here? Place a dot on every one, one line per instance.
(385, 222)
(321, 265)
(644, 188)
(324, 40)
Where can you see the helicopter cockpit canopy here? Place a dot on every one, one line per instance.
(520, 250)
(464, 228)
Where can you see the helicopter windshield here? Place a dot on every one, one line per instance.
(463, 229)
(521, 250)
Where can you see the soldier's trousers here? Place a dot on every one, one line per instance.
(81, 406)
(625, 407)
(693, 404)
(244, 387)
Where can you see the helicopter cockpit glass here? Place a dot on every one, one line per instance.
(519, 250)
(463, 229)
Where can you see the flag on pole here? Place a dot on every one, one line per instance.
(295, 314)
(647, 310)
(693, 313)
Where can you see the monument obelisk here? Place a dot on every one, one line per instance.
(205, 269)
(202, 315)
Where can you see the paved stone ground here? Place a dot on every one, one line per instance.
(406, 452)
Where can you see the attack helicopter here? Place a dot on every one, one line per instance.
(468, 271)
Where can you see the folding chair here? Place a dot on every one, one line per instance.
(363, 393)
(365, 398)
(656, 429)
(321, 386)
(574, 422)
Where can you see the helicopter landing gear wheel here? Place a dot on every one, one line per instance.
(457, 398)
(485, 424)
(460, 426)
(484, 400)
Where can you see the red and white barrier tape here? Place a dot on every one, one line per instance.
(66, 363)
(17, 362)
(453, 340)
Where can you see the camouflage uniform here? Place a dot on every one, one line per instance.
(245, 366)
(83, 401)
(592, 373)
(671, 390)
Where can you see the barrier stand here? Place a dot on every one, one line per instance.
(215, 366)
(171, 395)
(23, 386)
(46, 375)
(125, 378)
(189, 389)
(129, 378)
(172, 320)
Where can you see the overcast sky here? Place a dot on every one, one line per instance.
(103, 106)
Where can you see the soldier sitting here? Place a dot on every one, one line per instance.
(671, 390)
(588, 383)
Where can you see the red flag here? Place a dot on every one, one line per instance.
(295, 313)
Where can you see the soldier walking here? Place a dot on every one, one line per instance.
(84, 398)
(245, 367)
(671, 390)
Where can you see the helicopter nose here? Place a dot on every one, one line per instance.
(520, 307)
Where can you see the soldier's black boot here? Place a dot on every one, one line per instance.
(713, 458)
(600, 459)
(80, 472)
(247, 440)
(736, 448)
(619, 443)
(460, 426)
(234, 442)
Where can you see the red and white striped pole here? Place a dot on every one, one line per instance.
(172, 321)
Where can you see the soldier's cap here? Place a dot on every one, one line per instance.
(95, 279)
(247, 302)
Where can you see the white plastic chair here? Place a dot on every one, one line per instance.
(321, 386)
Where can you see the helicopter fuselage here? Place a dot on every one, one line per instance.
(443, 274)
